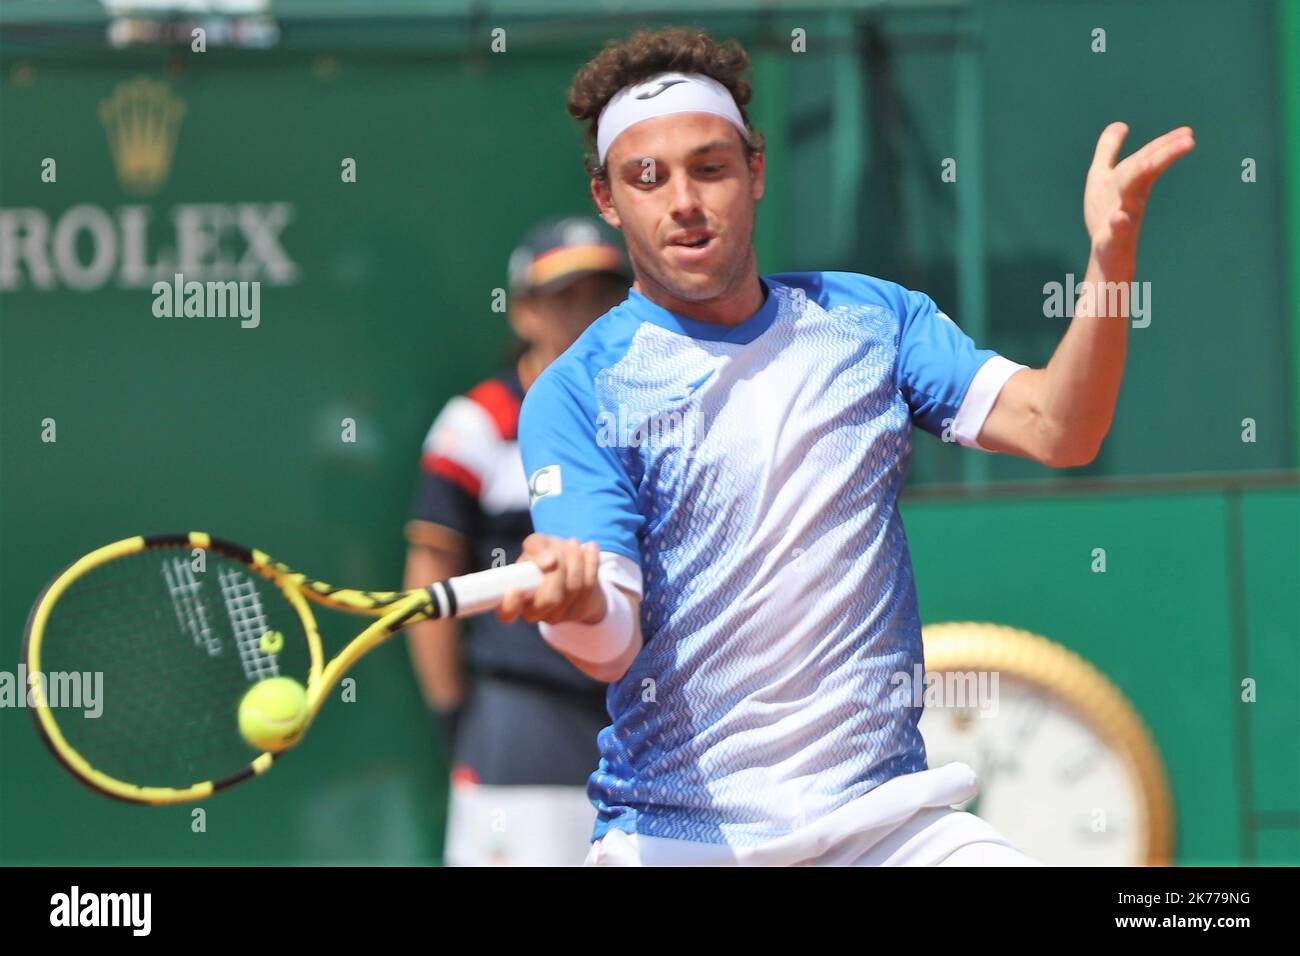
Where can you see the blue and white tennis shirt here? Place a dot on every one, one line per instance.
(749, 478)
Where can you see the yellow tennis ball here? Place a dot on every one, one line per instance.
(273, 714)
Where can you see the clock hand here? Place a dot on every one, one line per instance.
(985, 774)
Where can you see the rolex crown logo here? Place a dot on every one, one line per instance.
(142, 119)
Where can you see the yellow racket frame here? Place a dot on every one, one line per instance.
(395, 610)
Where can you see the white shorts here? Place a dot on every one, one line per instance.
(517, 825)
(906, 821)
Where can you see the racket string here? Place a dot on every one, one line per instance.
(176, 648)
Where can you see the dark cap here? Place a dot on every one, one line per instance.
(561, 250)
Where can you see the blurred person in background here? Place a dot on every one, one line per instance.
(519, 722)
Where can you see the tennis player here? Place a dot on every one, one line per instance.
(518, 721)
(715, 468)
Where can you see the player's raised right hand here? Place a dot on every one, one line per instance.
(569, 590)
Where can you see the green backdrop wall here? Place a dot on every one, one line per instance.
(169, 424)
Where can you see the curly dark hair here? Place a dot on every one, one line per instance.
(641, 56)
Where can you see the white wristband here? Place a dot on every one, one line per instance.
(597, 643)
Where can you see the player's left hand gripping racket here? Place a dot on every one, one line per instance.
(181, 626)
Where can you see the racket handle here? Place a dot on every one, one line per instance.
(484, 590)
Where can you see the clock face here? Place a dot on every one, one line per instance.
(1048, 781)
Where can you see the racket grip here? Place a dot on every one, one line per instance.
(484, 590)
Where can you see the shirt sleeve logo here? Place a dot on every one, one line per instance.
(545, 482)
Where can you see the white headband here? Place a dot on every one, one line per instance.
(661, 95)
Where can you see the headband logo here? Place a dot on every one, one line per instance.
(663, 85)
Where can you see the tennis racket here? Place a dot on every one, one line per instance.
(180, 626)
